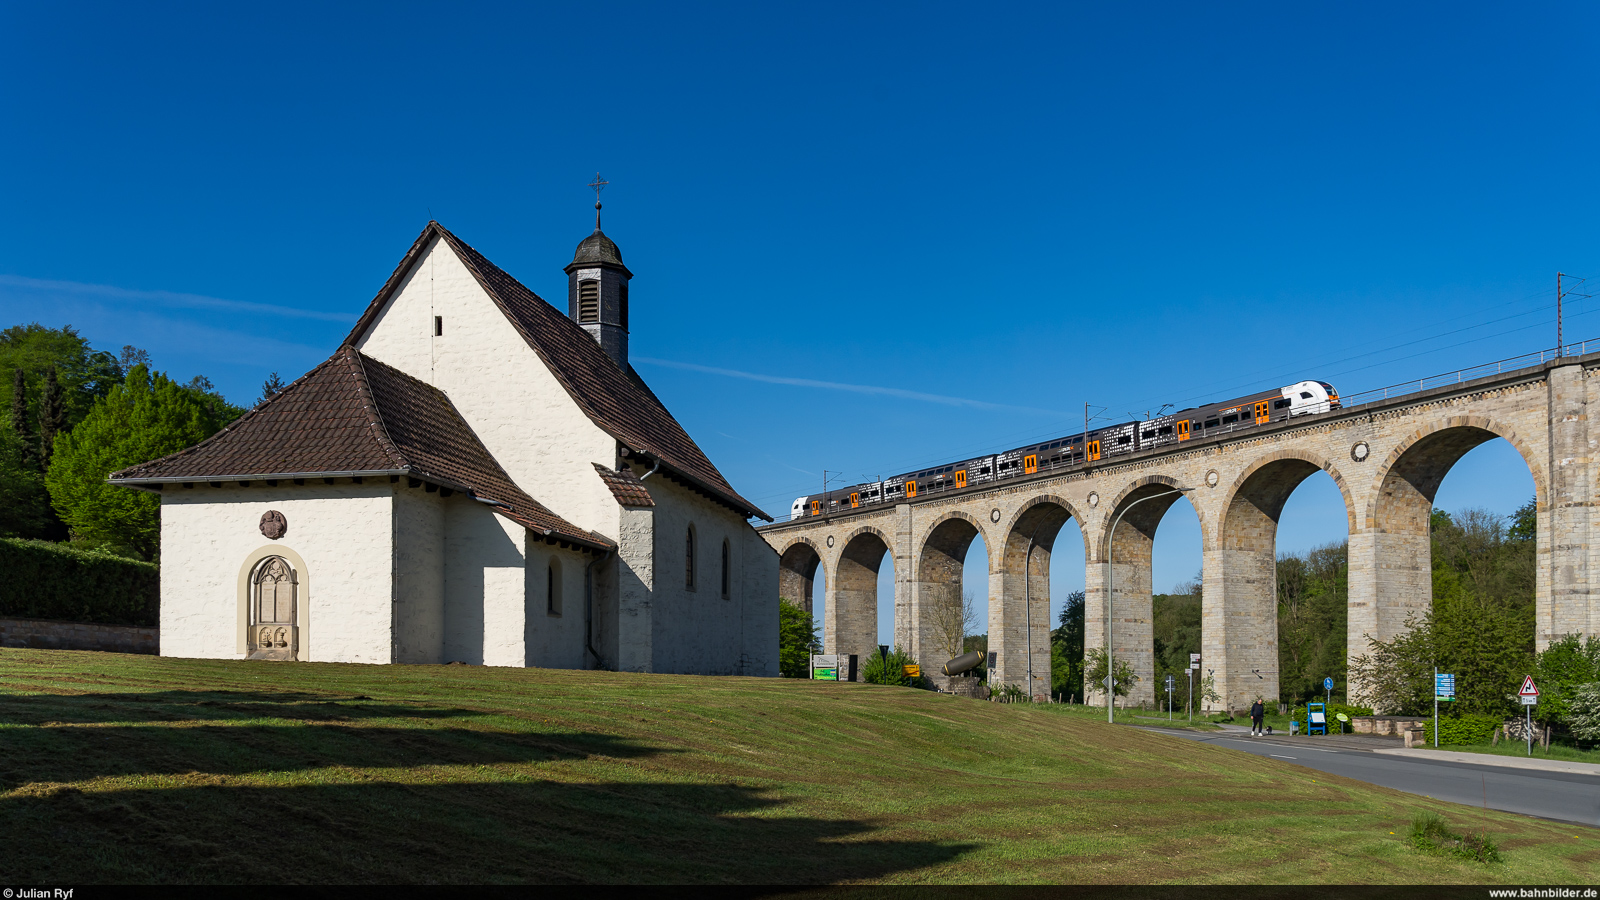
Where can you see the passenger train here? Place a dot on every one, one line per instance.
(1301, 399)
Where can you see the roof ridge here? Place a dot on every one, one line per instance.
(364, 390)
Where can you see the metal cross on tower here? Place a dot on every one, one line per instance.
(599, 184)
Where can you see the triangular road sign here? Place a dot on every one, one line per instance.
(1529, 689)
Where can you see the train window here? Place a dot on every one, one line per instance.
(1030, 464)
(1229, 420)
(1125, 439)
(1167, 429)
(911, 489)
(1305, 396)
(961, 478)
(1281, 404)
(1211, 423)
(1145, 435)
(855, 499)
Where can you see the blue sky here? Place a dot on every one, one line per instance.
(968, 222)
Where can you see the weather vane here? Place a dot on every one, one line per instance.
(599, 184)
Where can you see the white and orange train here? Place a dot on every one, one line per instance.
(1301, 399)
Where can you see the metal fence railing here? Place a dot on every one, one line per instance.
(1460, 376)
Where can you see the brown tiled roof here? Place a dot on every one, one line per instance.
(354, 416)
(625, 486)
(616, 401)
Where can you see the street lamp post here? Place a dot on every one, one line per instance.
(1111, 577)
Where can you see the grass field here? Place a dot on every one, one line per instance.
(138, 769)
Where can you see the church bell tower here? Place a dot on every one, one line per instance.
(597, 289)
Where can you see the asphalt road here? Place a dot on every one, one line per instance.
(1549, 795)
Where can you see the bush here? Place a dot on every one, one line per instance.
(1584, 717)
(59, 581)
(1465, 729)
(890, 670)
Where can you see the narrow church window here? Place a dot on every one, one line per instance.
(725, 575)
(688, 565)
(552, 589)
(438, 325)
(588, 302)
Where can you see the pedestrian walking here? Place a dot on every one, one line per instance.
(1258, 712)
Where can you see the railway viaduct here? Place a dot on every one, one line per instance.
(1387, 454)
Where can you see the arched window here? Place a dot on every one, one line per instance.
(688, 559)
(588, 302)
(552, 587)
(272, 610)
(726, 574)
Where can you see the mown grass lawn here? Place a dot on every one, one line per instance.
(139, 769)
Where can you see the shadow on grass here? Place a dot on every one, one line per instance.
(488, 832)
(181, 706)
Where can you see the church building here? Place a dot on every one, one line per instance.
(473, 476)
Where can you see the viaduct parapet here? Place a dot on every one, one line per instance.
(1388, 458)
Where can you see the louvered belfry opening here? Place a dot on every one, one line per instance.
(588, 302)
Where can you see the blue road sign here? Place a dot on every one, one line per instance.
(1444, 686)
(1327, 684)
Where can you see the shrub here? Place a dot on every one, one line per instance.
(890, 669)
(1585, 713)
(1464, 729)
(59, 581)
(1431, 834)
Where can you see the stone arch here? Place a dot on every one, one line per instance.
(1288, 476)
(797, 570)
(1126, 557)
(850, 621)
(1391, 558)
(1019, 593)
(935, 630)
(1421, 461)
(1239, 612)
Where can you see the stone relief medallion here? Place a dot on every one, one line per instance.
(1360, 451)
(274, 525)
(830, 540)
(1094, 499)
(1212, 478)
(994, 515)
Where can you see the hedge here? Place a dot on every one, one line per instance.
(1471, 728)
(42, 580)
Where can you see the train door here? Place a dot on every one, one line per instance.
(816, 507)
(1183, 429)
(911, 489)
(961, 478)
(1094, 450)
(855, 499)
(1263, 413)
(1030, 464)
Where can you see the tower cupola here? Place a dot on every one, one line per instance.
(597, 290)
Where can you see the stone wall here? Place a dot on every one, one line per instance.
(44, 634)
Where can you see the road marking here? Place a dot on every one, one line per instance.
(1276, 756)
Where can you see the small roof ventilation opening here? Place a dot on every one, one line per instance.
(588, 302)
(438, 326)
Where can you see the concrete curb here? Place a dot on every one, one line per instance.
(1506, 762)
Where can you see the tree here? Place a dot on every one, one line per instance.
(85, 374)
(144, 418)
(952, 620)
(1095, 672)
(1584, 718)
(269, 388)
(797, 640)
(1564, 667)
(1066, 648)
(52, 416)
(24, 505)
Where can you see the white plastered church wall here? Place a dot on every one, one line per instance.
(484, 585)
(523, 415)
(344, 534)
(555, 640)
(419, 598)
